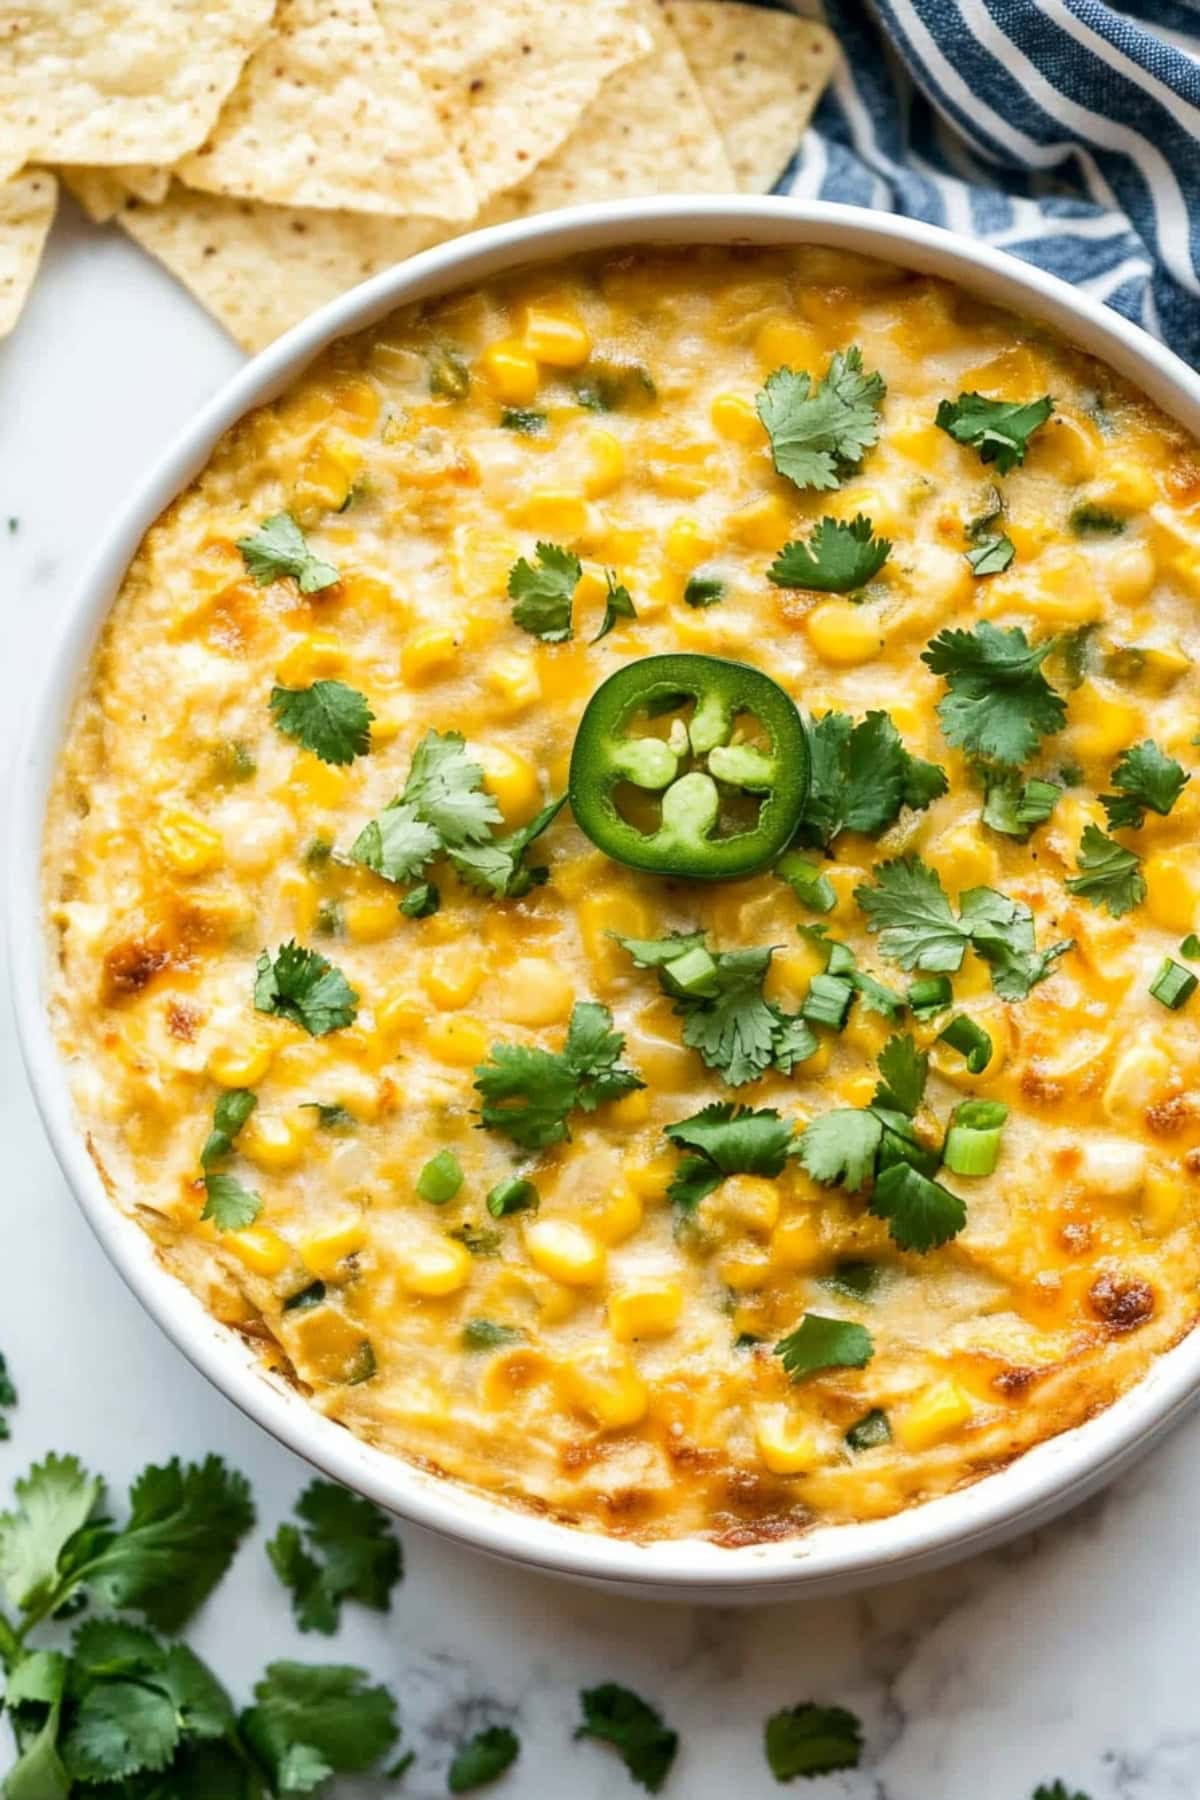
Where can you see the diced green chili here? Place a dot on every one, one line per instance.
(449, 375)
(524, 419)
(310, 1296)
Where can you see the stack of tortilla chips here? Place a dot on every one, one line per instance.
(272, 153)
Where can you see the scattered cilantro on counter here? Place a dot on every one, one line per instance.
(725, 1139)
(999, 430)
(328, 718)
(527, 1093)
(861, 777)
(646, 1745)
(1056, 1791)
(343, 1549)
(1149, 780)
(820, 433)
(1109, 874)
(839, 557)
(544, 595)
(279, 547)
(483, 1758)
(812, 1740)
(312, 1720)
(302, 986)
(820, 1343)
(8, 1397)
(999, 705)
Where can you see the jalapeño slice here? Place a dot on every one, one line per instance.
(729, 772)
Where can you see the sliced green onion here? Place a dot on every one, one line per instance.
(973, 1142)
(1173, 984)
(933, 995)
(827, 1002)
(870, 1431)
(484, 1334)
(440, 1179)
(811, 888)
(694, 973)
(421, 902)
(514, 1195)
(972, 1040)
(842, 960)
(875, 997)
(1190, 946)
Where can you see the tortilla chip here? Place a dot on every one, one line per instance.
(259, 269)
(513, 78)
(761, 72)
(103, 192)
(27, 205)
(331, 113)
(647, 132)
(120, 81)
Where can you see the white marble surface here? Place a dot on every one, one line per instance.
(1071, 1654)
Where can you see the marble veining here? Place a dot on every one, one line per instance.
(1070, 1653)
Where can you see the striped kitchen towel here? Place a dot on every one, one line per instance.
(1064, 130)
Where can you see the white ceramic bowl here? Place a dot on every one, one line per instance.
(1052, 1476)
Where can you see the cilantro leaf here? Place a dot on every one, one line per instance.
(55, 1500)
(702, 590)
(445, 789)
(821, 1343)
(861, 777)
(279, 547)
(840, 1147)
(735, 1030)
(991, 554)
(839, 557)
(328, 718)
(483, 1758)
(812, 1740)
(344, 1549)
(184, 1526)
(820, 433)
(909, 909)
(499, 867)
(618, 604)
(230, 1113)
(999, 705)
(644, 1742)
(302, 986)
(1109, 874)
(310, 1720)
(397, 845)
(727, 1140)
(1002, 933)
(544, 595)
(229, 1204)
(905, 1070)
(920, 1212)
(999, 429)
(1148, 780)
(120, 1728)
(527, 1092)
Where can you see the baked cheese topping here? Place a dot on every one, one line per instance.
(799, 1119)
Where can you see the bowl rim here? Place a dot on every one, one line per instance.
(1045, 1479)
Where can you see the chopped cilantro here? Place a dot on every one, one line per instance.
(523, 419)
(861, 777)
(820, 1343)
(920, 1212)
(442, 807)
(999, 430)
(812, 1740)
(328, 718)
(637, 1732)
(820, 433)
(841, 1146)
(230, 1113)
(839, 557)
(483, 1758)
(279, 547)
(527, 1093)
(703, 590)
(544, 595)
(726, 1140)
(302, 986)
(905, 1071)
(343, 1549)
(1002, 933)
(991, 554)
(485, 1334)
(1109, 874)
(1148, 779)
(618, 604)
(999, 705)
(229, 1205)
(499, 867)
(399, 844)
(1190, 946)
(421, 902)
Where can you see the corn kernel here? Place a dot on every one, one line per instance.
(616, 1215)
(935, 1415)
(318, 654)
(735, 418)
(605, 464)
(963, 859)
(555, 513)
(317, 782)
(242, 1062)
(745, 1268)
(630, 1110)
(843, 633)
(436, 1268)
(536, 991)
(785, 342)
(460, 1041)
(1173, 889)
(368, 920)
(511, 371)
(796, 1243)
(1064, 592)
(786, 1444)
(188, 844)
(747, 1200)
(259, 1248)
(651, 1178)
(427, 654)
(763, 525)
(602, 1380)
(688, 543)
(1129, 573)
(652, 1310)
(1139, 1077)
(1162, 1201)
(1124, 486)
(277, 1143)
(565, 1252)
(511, 780)
(515, 678)
(324, 1250)
(481, 557)
(452, 977)
(399, 1017)
(1101, 722)
(556, 336)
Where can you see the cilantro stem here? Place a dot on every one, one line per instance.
(11, 1646)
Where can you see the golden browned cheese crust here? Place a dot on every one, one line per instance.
(635, 1390)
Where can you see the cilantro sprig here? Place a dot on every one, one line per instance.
(528, 1093)
(483, 1758)
(328, 718)
(343, 1549)
(861, 778)
(724, 1140)
(1149, 781)
(840, 556)
(820, 433)
(999, 705)
(544, 594)
(1110, 875)
(618, 604)
(301, 985)
(999, 430)
(821, 1343)
(279, 547)
(644, 1742)
(229, 1205)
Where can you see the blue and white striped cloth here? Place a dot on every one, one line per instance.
(1063, 130)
